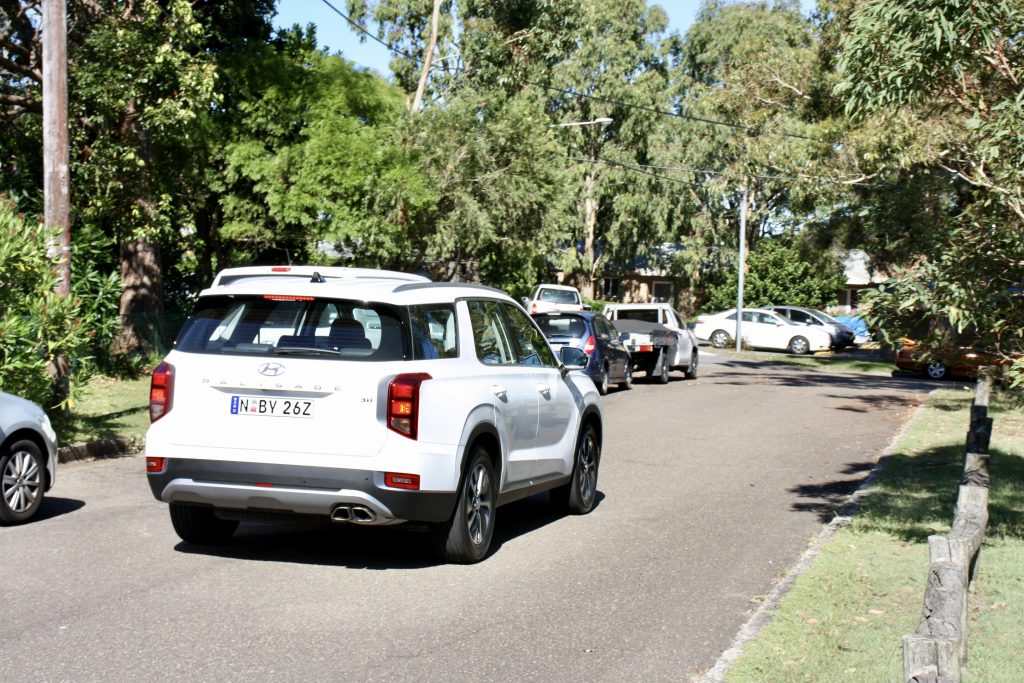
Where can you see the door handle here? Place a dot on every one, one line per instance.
(499, 392)
(544, 389)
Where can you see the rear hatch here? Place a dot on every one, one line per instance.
(285, 405)
(286, 374)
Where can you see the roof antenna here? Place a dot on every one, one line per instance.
(317, 277)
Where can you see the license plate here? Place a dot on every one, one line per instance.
(271, 407)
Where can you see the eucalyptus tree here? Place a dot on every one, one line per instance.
(952, 71)
(746, 80)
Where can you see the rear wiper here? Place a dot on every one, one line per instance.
(295, 350)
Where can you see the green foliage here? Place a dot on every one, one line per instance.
(778, 273)
(36, 325)
(952, 69)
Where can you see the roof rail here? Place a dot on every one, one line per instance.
(232, 275)
(423, 285)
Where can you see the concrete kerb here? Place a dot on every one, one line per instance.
(115, 447)
(764, 614)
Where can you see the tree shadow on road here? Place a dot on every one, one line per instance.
(915, 495)
(405, 546)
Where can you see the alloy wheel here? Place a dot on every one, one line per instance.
(479, 504)
(22, 480)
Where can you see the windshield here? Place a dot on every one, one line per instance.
(329, 328)
(559, 296)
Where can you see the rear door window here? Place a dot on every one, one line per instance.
(434, 331)
(490, 335)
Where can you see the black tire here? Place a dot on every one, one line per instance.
(936, 370)
(579, 495)
(602, 384)
(691, 369)
(627, 379)
(200, 526)
(466, 537)
(663, 377)
(799, 345)
(719, 339)
(22, 482)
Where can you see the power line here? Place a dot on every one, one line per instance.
(571, 93)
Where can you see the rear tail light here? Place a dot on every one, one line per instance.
(161, 391)
(403, 403)
(588, 348)
(533, 307)
(402, 481)
(156, 465)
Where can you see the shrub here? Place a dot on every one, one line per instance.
(39, 331)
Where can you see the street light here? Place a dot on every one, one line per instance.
(603, 121)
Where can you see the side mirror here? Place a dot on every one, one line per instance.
(587, 307)
(573, 358)
(525, 301)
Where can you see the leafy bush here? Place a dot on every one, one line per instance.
(779, 274)
(37, 328)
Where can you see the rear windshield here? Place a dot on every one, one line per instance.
(647, 315)
(561, 325)
(331, 328)
(558, 296)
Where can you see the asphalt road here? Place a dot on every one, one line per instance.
(710, 490)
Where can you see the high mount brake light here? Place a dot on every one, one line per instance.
(161, 391)
(403, 403)
(284, 297)
(280, 269)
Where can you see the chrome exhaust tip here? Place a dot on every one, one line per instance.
(363, 515)
(342, 513)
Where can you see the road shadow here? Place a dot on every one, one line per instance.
(405, 546)
(795, 376)
(55, 507)
(826, 499)
(915, 495)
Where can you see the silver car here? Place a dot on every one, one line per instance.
(28, 458)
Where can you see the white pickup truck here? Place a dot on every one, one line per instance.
(643, 346)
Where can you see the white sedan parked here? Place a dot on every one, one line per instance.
(762, 329)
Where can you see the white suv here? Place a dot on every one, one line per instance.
(366, 397)
(553, 298)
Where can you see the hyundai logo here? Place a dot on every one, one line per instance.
(272, 369)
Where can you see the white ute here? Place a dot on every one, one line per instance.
(366, 397)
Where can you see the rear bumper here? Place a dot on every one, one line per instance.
(294, 489)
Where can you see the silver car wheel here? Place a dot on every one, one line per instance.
(479, 504)
(22, 480)
(587, 470)
(936, 370)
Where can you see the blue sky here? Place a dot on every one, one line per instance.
(335, 33)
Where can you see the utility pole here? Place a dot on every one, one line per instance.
(742, 263)
(56, 179)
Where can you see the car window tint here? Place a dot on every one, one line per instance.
(750, 317)
(269, 325)
(603, 327)
(491, 339)
(648, 315)
(731, 316)
(532, 347)
(434, 331)
(561, 325)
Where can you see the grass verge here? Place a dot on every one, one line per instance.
(847, 362)
(107, 408)
(844, 618)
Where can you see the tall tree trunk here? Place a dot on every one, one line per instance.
(428, 57)
(142, 324)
